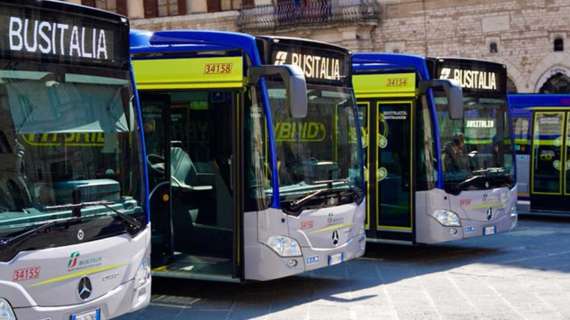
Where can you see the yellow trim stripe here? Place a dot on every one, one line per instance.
(333, 227)
(79, 274)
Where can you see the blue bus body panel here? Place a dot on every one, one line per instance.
(173, 41)
(520, 103)
(363, 63)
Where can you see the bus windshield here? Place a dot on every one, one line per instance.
(476, 151)
(66, 137)
(320, 151)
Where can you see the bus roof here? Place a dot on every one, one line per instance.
(527, 100)
(397, 62)
(184, 40)
(65, 6)
(375, 61)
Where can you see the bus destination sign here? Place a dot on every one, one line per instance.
(474, 77)
(318, 65)
(45, 34)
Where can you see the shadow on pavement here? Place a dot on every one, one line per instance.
(541, 243)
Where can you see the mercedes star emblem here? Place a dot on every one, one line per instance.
(84, 289)
(335, 237)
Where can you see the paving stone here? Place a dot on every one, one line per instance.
(524, 274)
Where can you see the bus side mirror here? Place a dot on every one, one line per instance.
(453, 92)
(295, 84)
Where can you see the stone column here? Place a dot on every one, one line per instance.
(135, 9)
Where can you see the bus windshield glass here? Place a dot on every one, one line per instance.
(66, 137)
(476, 151)
(320, 151)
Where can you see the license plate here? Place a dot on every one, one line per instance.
(489, 231)
(90, 315)
(335, 259)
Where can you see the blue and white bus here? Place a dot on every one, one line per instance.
(541, 128)
(253, 154)
(74, 232)
(439, 160)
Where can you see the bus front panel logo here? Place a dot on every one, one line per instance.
(85, 288)
(72, 262)
(335, 237)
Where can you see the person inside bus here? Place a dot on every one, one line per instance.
(455, 158)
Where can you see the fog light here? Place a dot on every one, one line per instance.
(453, 231)
(292, 263)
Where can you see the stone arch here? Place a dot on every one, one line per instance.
(514, 74)
(553, 63)
(511, 85)
(557, 83)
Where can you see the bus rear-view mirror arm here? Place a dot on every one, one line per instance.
(295, 84)
(453, 92)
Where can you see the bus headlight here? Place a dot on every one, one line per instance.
(6, 312)
(143, 273)
(284, 246)
(447, 218)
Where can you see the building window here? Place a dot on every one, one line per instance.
(247, 4)
(493, 47)
(164, 8)
(214, 5)
(118, 6)
(558, 44)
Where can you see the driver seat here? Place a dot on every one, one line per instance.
(182, 168)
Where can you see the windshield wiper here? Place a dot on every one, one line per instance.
(298, 203)
(11, 242)
(133, 225)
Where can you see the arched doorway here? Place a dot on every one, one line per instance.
(511, 86)
(557, 83)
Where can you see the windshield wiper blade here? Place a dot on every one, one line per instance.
(305, 199)
(133, 225)
(11, 242)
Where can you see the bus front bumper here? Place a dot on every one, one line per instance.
(433, 232)
(121, 300)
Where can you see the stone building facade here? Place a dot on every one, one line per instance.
(529, 36)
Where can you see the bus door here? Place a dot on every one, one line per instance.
(155, 112)
(386, 103)
(550, 163)
(192, 138)
(393, 166)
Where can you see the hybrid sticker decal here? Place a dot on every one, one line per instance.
(83, 139)
(25, 274)
(306, 131)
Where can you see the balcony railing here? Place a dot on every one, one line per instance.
(311, 13)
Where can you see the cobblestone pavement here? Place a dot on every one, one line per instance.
(521, 275)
